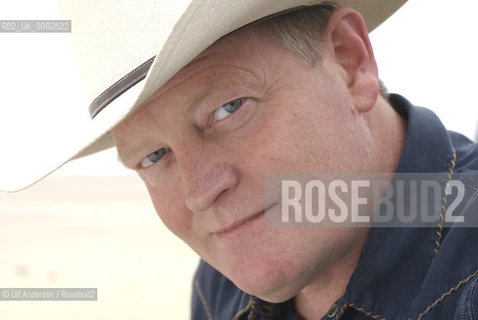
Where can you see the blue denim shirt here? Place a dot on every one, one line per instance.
(403, 273)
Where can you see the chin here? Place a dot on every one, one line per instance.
(271, 280)
(267, 289)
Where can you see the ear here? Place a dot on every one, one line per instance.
(350, 48)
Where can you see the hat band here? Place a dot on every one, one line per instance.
(119, 87)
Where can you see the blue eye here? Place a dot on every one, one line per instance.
(227, 109)
(153, 158)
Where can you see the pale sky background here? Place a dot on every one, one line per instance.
(427, 52)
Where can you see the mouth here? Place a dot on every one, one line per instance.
(241, 225)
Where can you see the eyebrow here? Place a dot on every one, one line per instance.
(207, 92)
(123, 158)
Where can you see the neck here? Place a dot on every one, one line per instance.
(389, 131)
(315, 300)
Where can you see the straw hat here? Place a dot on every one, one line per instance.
(126, 50)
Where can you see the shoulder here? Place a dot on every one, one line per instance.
(450, 289)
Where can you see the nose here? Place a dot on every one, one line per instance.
(206, 175)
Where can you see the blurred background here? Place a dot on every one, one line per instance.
(92, 231)
(91, 223)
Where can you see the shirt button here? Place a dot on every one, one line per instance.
(333, 310)
(265, 310)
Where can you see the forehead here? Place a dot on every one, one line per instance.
(234, 49)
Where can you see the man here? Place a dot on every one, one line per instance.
(295, 93)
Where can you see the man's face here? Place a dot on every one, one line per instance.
(205, 140)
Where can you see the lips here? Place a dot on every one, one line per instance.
(240, 224)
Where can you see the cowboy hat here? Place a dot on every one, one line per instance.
(126, 50)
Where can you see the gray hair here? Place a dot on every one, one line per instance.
(300, 31)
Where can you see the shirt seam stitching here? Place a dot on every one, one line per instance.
(203, 300)
(446, 294)
(439, 232)
(244, 310)
(352, 305)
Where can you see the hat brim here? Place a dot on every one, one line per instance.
(192, 33)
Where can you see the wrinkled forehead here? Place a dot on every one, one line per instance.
(227, 50)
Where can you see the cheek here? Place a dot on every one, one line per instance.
(170, 207)
(309, 137)
(286, 141)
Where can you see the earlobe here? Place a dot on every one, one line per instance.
(352, 51)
